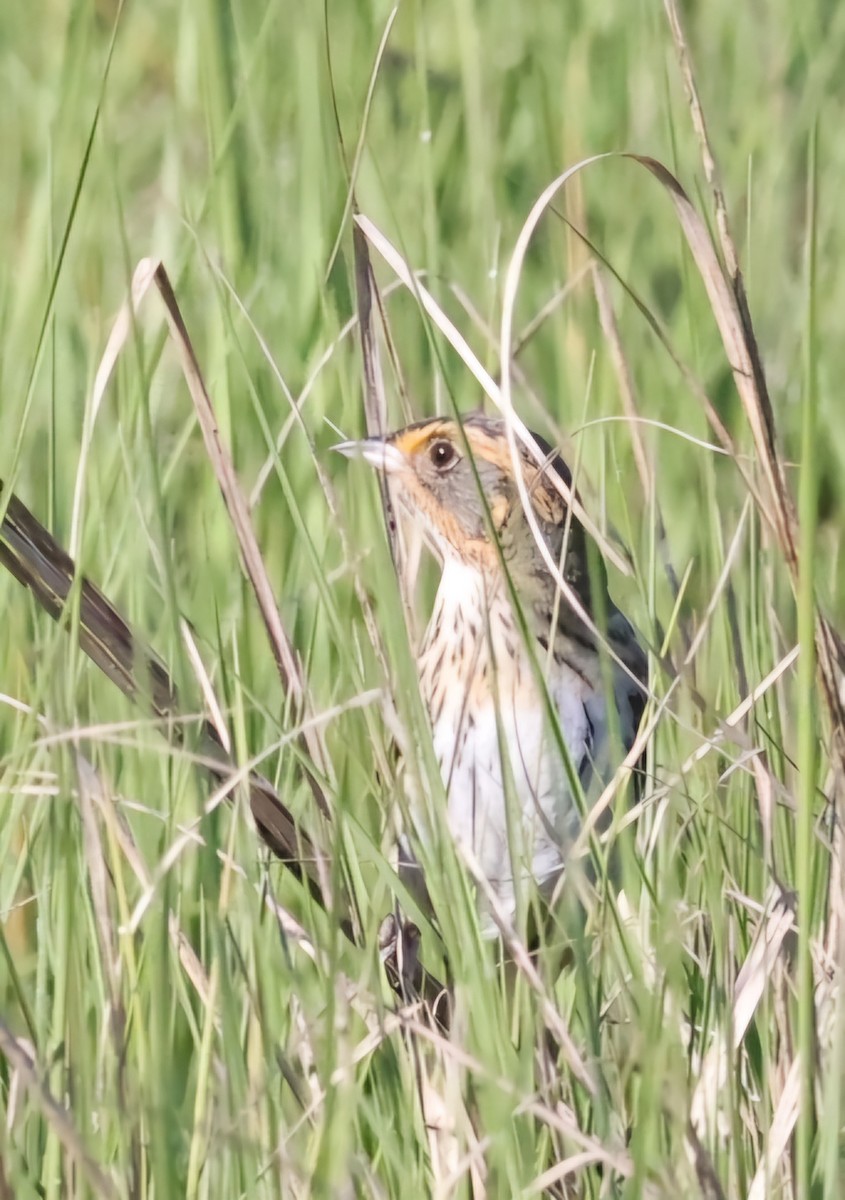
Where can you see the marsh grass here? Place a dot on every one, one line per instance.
(178, 1016)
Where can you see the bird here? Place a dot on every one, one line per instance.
(506, 656)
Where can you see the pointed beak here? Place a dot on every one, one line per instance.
(380, 454)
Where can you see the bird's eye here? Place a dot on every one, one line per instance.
(442, 455)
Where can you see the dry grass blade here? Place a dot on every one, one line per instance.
(730, 310)
(420, 983)
(726, 241)
(375, 400)
(121, 330)
(36, 559)
(287, 663)
(775, 926)
(625, 380)
(91, 794)
(516, 430)
(743, 357)
(783, 1123)
(56, 1115)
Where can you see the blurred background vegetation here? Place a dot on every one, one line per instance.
(219, 138)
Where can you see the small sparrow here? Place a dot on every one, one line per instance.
(493, 686)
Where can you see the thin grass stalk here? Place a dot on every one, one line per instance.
(807, 712)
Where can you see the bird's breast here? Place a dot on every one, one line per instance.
(495, 738)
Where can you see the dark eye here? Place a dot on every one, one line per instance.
(442, 454)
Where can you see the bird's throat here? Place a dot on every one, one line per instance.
(471, 638)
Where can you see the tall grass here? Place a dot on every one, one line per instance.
(203, 1028)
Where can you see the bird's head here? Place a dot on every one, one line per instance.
(458, 483)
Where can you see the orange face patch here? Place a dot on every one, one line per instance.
(414, 440)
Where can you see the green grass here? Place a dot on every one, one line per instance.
(208, 1048)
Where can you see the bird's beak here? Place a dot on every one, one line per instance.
(382, 455)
